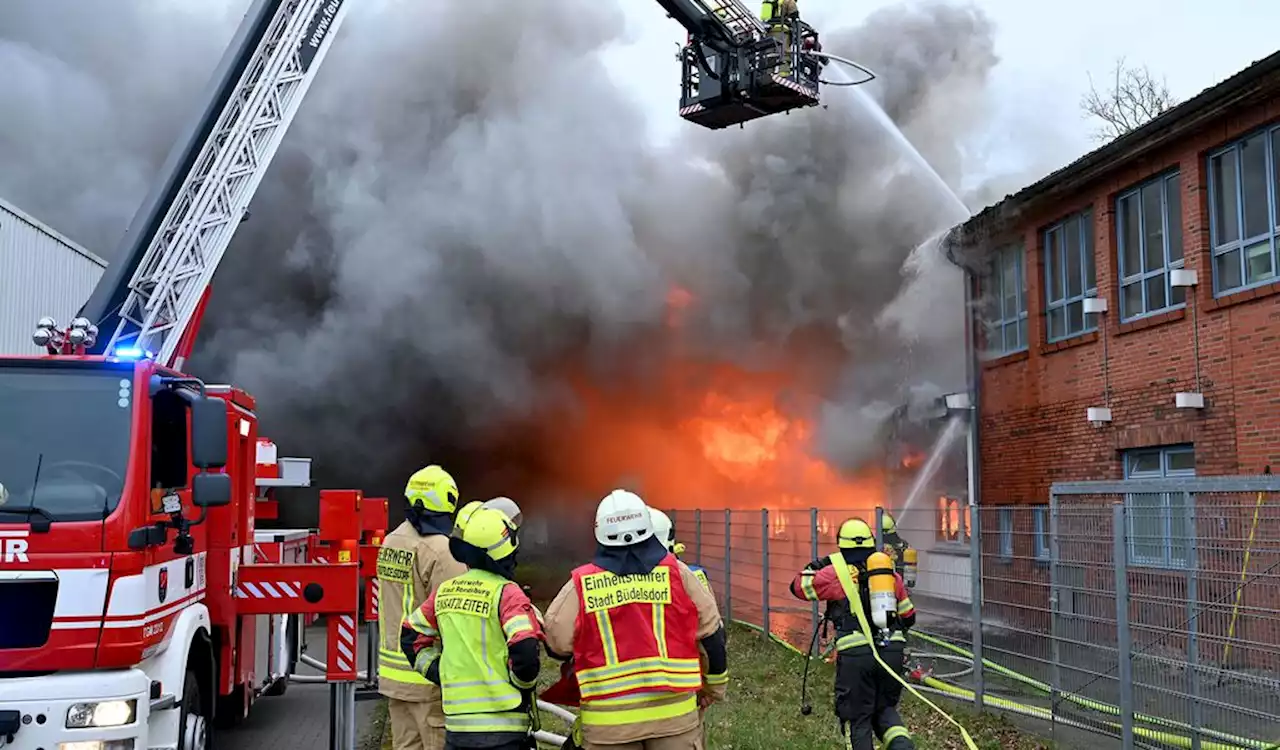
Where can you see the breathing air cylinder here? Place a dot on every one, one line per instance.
(880, 584)
(909, 567)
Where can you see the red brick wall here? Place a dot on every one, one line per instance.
(1034, 430)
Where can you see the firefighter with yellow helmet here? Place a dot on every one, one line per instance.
(413, 561)
(487, 681)
(903, 554)
(864, 596)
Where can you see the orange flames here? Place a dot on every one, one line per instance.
(693, 434)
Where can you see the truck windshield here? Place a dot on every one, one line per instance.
(64, 441)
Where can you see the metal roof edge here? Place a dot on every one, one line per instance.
(41, 226)
(1180, 120)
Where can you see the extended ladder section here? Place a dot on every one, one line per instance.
(181, 234)
(745, 25)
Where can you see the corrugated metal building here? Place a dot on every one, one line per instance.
(41, 273)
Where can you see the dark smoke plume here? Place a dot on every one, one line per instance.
(468, 203)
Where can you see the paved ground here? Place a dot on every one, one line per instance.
(299, 719)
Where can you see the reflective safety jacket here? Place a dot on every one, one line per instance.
(410, 567)
(471, 621)
(635, 649)
(823, 582)
(701, 574)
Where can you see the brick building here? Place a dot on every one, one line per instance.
(1196, 189)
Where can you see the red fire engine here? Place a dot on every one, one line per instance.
(138, 599)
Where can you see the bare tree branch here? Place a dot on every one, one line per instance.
(1134, 99)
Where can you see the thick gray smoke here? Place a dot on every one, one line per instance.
(469, 203)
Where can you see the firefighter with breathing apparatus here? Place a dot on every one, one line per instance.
(903, 554)
(632, 619)
(871, 610)
(412, 562)
(487, 681)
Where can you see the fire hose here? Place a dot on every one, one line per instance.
(1176, 738)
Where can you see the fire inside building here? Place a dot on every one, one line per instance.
(1130, 315)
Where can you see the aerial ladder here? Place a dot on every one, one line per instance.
(735, 68)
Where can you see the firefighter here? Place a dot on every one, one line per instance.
(778, 16)
(633, 619)
(897, 548)
(666, 534)
(413, 561)
(866, 696)
(487, 682)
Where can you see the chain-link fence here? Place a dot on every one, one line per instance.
(1144, 610)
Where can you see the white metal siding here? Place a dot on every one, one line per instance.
(41, 273)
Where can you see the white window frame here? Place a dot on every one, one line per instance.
(1170, 558)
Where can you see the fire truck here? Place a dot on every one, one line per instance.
(139, 600)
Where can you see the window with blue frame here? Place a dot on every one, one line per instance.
(1244, 181)
(1041, 517)
(1070, 276)
(1149, 238)
(1159, 526)
(1006, 534)
(1006, 302)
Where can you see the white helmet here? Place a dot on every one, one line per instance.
(662, 528)
(622, 519)
(507, 507)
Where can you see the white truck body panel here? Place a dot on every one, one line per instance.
(41, 273)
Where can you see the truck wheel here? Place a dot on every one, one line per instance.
(193, 724)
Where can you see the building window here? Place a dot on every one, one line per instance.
(1244, 180)
(1041, 516)
(1006, 297)
(1006, 534)
(953, 520)
(1149, 236)
(1158, 528)
(1070, 276)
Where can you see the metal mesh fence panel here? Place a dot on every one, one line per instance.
(1143, 610)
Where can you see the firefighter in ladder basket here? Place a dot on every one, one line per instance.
(487, 681)
(413, 561)
(633, 619)
(864, 596)
(777, 16)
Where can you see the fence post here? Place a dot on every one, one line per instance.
(975, 591)
(813, 550)
(1055, 606)
(1124, 645)
(1193, 619)
(728, 579)
(764, 574)
(878, 530)
(697, 535)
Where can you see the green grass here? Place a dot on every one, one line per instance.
(762, 711)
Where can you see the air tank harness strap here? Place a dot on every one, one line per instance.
(855, 603)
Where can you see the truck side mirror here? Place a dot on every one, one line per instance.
(211, 490)
(209, 433)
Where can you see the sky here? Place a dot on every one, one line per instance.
(1048, 52)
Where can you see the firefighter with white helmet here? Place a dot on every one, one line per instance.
(666, 533)
(864, 595)
(413, 561)
(487, 682)
(633, 619)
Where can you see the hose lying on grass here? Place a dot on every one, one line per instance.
(1160, 735)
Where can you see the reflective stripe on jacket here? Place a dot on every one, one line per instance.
(636, 649)
(478, 694)
(410, 567)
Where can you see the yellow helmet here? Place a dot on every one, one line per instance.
(508, 508)
(432, 489)
(887, 524)
(464, 515)
(855, 534)
(490, 530)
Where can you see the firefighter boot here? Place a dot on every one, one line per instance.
(897, 738)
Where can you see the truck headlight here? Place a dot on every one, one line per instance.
(101, 714)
